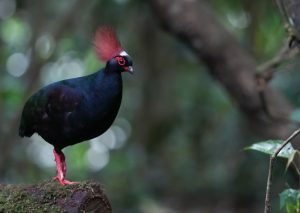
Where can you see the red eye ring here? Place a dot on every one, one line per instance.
(121, 61)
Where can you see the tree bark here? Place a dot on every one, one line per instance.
(50, 196)
(195, 23)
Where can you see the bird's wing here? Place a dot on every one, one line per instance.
(62, 99)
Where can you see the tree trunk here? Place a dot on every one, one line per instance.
(227, 61)
(50, 196)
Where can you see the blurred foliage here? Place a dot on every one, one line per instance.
(177, 143)
(290, 200)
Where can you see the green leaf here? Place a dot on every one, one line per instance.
(291, 159)
(270, 146)
(289, 199)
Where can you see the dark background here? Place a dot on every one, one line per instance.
(187, 113)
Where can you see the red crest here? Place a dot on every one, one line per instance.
(106, 43)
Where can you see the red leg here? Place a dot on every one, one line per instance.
(61, 168)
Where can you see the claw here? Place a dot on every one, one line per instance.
(64, 181)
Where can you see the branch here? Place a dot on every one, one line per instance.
(267, 69)
(52, 197)
(290, 12)
(271, 165)
(226, 60)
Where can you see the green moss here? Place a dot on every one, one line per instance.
(43, 197)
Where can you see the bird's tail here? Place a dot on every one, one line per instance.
(23, 131)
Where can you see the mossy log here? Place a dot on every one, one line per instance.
(50, 196)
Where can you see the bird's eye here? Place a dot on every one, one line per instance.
(121, 61)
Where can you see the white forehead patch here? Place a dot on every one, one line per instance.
(123, 53)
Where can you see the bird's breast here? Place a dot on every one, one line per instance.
(95, 115)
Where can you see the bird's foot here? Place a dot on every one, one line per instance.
(64, 181)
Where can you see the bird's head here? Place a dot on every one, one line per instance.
(121, 62)
(109, 50)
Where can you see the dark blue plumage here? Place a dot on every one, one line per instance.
(74, 110)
